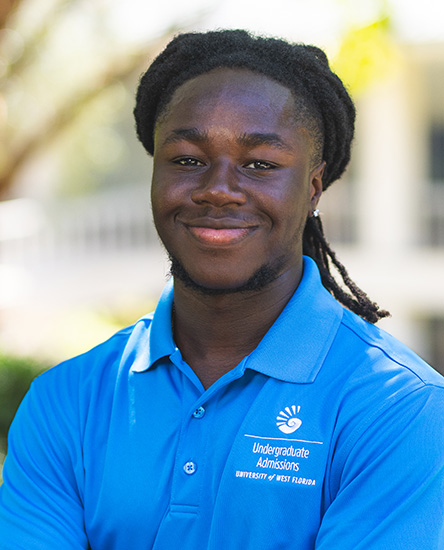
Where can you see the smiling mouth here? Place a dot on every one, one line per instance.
(220, 236)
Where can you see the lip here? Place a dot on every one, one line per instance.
(219, 231)
(210, 235)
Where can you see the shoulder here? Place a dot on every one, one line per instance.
(374, 378)
(387, 403)
(100, 364)
(378, 351)
(77, 395)
(381, 387)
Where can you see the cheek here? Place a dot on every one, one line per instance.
(155, 198)
(289, 206)
(160, 207)
(157, 193)
(163, 194)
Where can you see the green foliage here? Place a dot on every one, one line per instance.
(16, 375)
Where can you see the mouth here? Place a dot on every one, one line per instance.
(219, 232)
(219, 236)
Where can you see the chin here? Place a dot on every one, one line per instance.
(263, 277)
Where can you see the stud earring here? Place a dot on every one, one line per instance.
(315, 213)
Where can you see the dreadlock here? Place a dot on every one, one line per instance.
(322, 103)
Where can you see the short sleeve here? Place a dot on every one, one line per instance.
(41, 496)
(391, 481)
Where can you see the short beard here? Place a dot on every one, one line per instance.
(264, 276)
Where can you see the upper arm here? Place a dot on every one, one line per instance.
(41, 496)
(391, 483)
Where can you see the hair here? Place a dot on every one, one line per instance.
(322, 103)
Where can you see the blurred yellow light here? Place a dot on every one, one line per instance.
(367, 54)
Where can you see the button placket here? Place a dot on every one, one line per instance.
(191, 450)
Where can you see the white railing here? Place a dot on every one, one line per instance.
(36, 232)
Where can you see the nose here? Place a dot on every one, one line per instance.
(219, 186)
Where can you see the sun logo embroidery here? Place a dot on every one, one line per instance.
(287, 421)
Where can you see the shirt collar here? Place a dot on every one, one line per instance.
(154, 333)
(293, 349)
(296, 345)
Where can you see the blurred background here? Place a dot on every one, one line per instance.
(79, 258)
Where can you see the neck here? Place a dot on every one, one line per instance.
(214, 333)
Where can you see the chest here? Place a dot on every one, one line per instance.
(169, 467)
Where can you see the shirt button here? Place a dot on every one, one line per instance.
(199, 412)
(189, 468)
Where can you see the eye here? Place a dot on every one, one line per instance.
(188, 161)
(260, 165)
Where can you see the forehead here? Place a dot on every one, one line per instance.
(233, 84)
(238, 99)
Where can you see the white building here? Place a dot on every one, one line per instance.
(388, 215)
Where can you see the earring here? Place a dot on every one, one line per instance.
(315, 213)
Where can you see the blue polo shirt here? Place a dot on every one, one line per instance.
(329, 435)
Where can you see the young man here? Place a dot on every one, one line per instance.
(251, 410)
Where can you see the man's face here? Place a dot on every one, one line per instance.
(233, 182)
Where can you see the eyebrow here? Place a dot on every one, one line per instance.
(253, 139)
(186, 134)
(256, 139)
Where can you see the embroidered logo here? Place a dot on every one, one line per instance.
(287, 421)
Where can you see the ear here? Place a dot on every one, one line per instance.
(316, 184)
